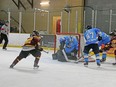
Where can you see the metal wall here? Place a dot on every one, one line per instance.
(48, 40)
(104, 14)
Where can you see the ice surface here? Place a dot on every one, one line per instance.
(53, 73)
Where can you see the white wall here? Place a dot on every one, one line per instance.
(16, 39)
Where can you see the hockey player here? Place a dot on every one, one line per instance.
(113, 43)
(113, 33)
(104, 44)
(31, 46)
(71, 45)
(68, 49)
(91, 36)
(4, 30)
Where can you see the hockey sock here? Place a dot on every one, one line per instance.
(104, 55)
(97, 58)
(36, 61)
(85, 57)
(16, 61)
(98, 61)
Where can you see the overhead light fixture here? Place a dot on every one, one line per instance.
(44, 3)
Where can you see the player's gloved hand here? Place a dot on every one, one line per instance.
(99, 38)
(100, 50)
(41, 49)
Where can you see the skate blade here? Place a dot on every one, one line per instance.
(85, 65)
(35, 67)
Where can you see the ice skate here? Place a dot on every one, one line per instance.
(86, 64)
(12, 66)
(113, 63)
(98, 64)
(36, 66)
(4, 48)
(103, 60)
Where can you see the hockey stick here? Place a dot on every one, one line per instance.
(45, 51)
(80, 59)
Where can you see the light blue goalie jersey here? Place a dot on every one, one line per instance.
(71, 43)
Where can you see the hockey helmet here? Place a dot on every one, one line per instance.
(89, 27)
(114, 30)
(35, 33)
(6, 22)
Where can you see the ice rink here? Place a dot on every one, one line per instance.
(53, 73)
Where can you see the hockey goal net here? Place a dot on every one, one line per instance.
(80, 40)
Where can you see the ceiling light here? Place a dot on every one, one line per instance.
(44, 3)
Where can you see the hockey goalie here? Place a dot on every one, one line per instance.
(67, 50)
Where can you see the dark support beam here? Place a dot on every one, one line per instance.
(22, 4)
(19, 4)
(31, 3)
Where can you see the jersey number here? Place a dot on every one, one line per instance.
(90, 35)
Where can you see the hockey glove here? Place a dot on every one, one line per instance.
(100, 50)
(41, 49)
(99, 38)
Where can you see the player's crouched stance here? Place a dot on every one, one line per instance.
(31, 46)
(68, 49)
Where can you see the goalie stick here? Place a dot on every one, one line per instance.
(66, 58)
